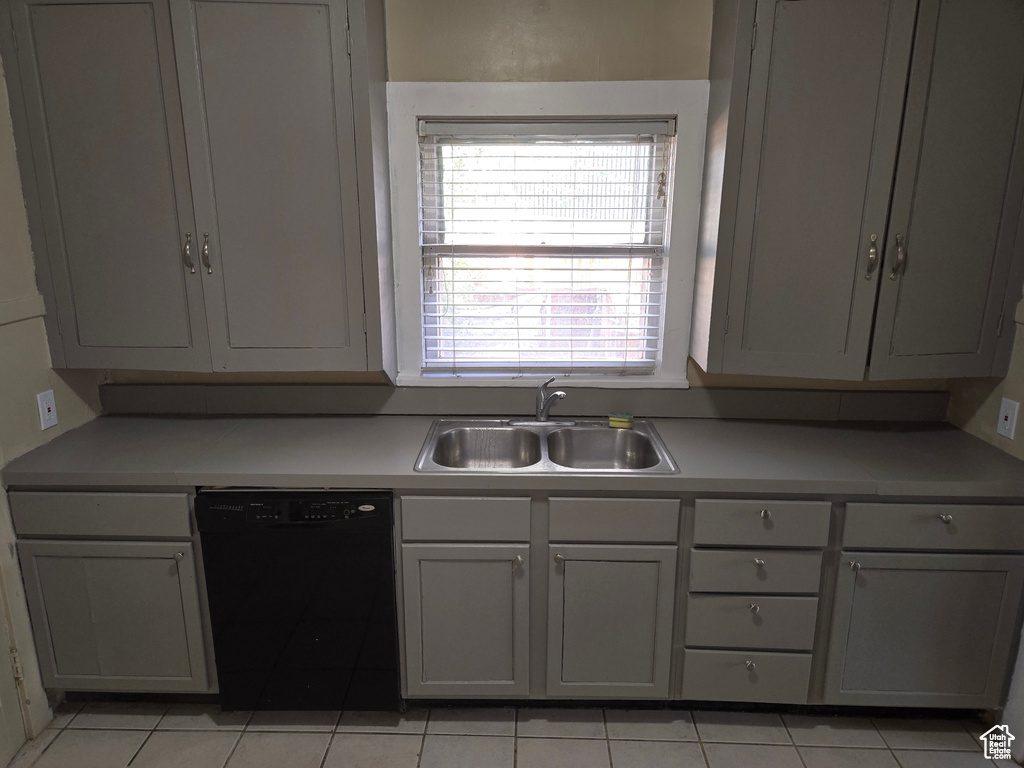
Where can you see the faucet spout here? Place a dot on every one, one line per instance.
(545, 407)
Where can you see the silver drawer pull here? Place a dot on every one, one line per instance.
(766, 514)
(750, 665)
(759, 562)
(854, 566)
(517, 561)
(872, 257)
(754, 607)
(179, 556)
(901, 258)
(947, 519)
(205, 253)
(559, 559)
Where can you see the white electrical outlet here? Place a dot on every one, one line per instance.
(1007, 418)
(47, 409)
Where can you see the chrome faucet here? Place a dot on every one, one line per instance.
(545, 400)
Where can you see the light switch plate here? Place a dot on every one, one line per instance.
(47, 409)
(1007, 418)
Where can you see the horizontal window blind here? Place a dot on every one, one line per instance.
(544, 251)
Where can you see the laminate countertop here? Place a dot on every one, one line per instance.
(714, 457)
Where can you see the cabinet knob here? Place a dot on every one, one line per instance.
(759, 562)
(559, 559)
(766, 514)
(750, 665)
(947, 519)
(517, 561)
(854, 566)
(754, 607)
(179, 556)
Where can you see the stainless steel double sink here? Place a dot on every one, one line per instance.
(493, 445)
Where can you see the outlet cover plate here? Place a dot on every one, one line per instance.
(47, 409)
(1007, 418)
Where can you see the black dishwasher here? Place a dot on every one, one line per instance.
(301, 587)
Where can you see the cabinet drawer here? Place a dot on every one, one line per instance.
(751, 621)
(101, 515)
(922, 526)
(614, 520)
(761, 523)
(465, 518)
(754, 571)
(780, 678)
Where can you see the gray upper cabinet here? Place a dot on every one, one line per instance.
(108, 166)
(810, 108)
(268, 111)
(944, 309)
(923, 630)
(250, 250)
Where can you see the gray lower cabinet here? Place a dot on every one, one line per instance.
(467, 630)
(193, 176)
(610, 611)
(923, 630)
(115, 616)
(807, 244)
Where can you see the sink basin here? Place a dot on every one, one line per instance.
(487, 448)
(597, 448)
(493, 445)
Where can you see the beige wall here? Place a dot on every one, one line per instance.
(541, 40)
(975, 403)
(24, 371)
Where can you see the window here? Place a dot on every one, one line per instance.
(545, 229)
(543, 246)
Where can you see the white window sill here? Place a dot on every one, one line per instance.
(532, 380)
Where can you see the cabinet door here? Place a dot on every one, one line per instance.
(467, 614)
(824, 103)
(111, 181)
(115, 616)
(923, 630)
(958, 196)
(266, 94)
(610, 620)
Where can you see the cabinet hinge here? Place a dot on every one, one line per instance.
(726, 325)
(19, 673)
(999, 325)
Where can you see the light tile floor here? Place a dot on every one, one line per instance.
(116, 735)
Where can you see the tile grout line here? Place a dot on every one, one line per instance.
(799, 755)
(607, 737)
(234, 748)
(423, 740)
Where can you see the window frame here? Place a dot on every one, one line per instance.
(682, 100)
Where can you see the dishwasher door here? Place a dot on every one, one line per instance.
(302, 599)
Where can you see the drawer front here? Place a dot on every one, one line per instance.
(465, 518)
(106, 515)
(778, 678)
(934, 526)
(727, 522)
(754, 571)
(618, 521)
(751, 621)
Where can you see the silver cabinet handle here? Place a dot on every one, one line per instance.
(872, 257)
(186, 254)
(559, 559)
(766, 514)
(517, 561)
(759, 562)
(754, 607)
(854, 566)
(901, 259)
(750, 665)
(179, 556)
(205, 253)
(947, 519)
